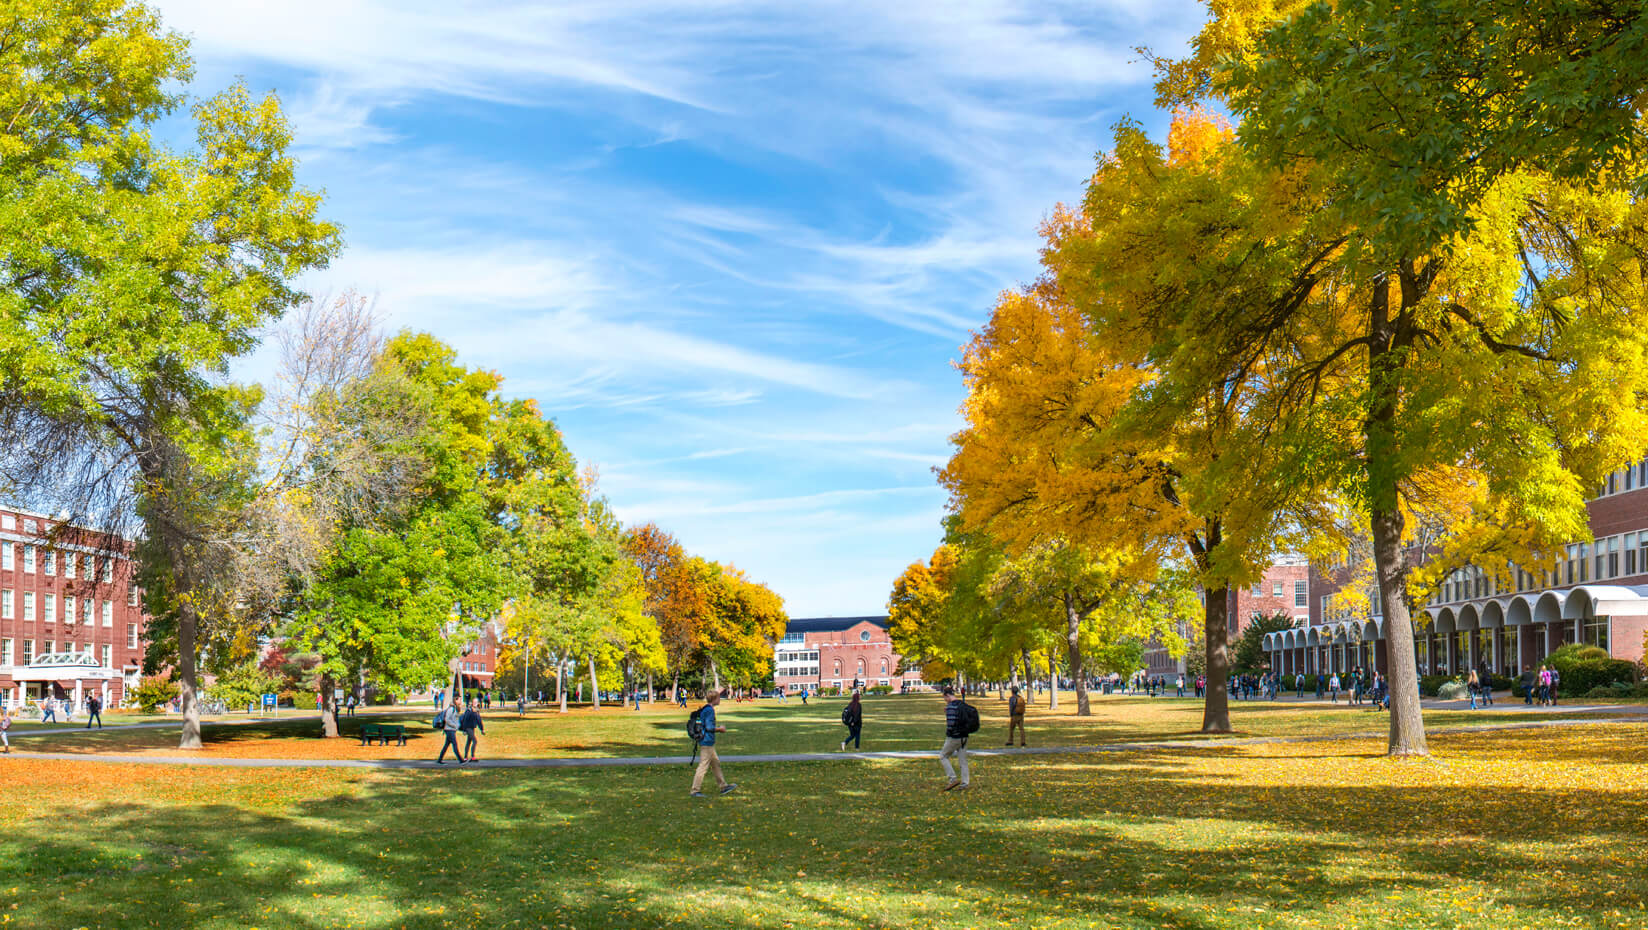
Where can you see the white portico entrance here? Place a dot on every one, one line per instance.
(62, 675)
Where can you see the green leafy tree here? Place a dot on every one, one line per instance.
(243, 685)
(1249, 652)
(132, 275)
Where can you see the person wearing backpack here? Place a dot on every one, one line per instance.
(447, 722)
(5, 725)
(1016, 706)
(469, 723)
(957, 721)
(852, 717)
(707, 759)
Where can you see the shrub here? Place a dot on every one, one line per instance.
(1453, 691)
(1430, 684)
(1586, 675)
(304, 700)
(879, 689)
(154, 691)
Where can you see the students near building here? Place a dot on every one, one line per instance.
(955, 743)
(1333, 687)
(468, 724)
(448, 722)
(1473, 685)
(94, 711)
(48, 710)
(5, 724)
(1016, 706)
(1179, 684)
(708, 761)
(349, 708)
(852, 717)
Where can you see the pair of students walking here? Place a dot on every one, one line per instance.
(453, 721)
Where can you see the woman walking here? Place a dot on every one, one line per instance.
(1473, 684)
(852, 717)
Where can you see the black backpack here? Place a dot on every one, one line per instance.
(847, 716)
(695, 725)
(967, 720)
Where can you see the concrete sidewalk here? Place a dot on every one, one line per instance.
(1196, 744)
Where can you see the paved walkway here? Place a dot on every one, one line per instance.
(629, 761)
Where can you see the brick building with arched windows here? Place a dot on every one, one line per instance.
(834, 652)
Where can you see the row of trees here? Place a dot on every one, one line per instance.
(375, 505)
(1403, 301)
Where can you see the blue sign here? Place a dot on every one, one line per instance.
(268, 700)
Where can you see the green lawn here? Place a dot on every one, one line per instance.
(901, 722)
(1514, 829)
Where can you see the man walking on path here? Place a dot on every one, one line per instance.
(708, 761)
(1016, 705)
(94, 711)
(955, 743)
(48, 710)
(469, 723)
(448, 722)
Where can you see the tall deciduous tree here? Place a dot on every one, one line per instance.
(133, 274)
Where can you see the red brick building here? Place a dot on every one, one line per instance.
(1284, 588)
(71, 616)
(1597, 593)
(837, 651)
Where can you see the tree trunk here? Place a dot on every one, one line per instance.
(560, 683)
(1385, 354)
(594, 686)
(651, 695)
(1029, 674)
(1072, 638)
(715, 675)
(328, 707)
(188, 680)
(1216, 632)
(1052, 680)
(675, 687)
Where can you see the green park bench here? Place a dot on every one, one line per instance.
(383, 733)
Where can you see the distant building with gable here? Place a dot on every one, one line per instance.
(834, 652)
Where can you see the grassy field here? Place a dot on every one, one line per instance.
(902, 722)
(1512, 829)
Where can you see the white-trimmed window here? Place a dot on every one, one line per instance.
(68, 610)
(28, 606)
(69, 563)
(8, 522)
(1276, 589)
(29, 526)
(28, 651)
(1301, 594)
(47, 647)
(50, 559)
(1630, 553)
(48, 607)
(108, 613)
(108, 656)
(5, 604)
(28, 559)
(131, 596)
(5, 652)
(86, 563)
(8, 556)
(108, 569)
(131, 636)
(86, 608)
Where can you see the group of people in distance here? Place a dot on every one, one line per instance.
(957, 730)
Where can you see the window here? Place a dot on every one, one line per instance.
(1613, 557)
(5, 604)
(48, 607)
(131, 597)
(50, 558)
(29, 526)
(28, 559)
(28, 606)
(108, 569)
(131, 636)
(68, 610)
(1596, 632)
(1259, 589)
(69, 562)
(8, 522)
(108, 658)
(47, 647)
(1276, 589)
(1630, 553)
(86, 563)
(864, 636)
(28, 651)
(8, 557)
(5, 652)
(86, 614)
(108, 613)
(1301, 594)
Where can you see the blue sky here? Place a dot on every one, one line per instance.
(733, 249)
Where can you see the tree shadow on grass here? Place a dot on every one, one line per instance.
(1135, 839)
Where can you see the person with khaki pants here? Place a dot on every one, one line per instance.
(708, 761)
(1015, 716)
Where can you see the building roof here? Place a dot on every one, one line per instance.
(831, 624)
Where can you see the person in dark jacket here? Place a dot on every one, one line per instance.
(955, 744)
(94, 711)
(1016, 706)
(469, 723)
(853, 717)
